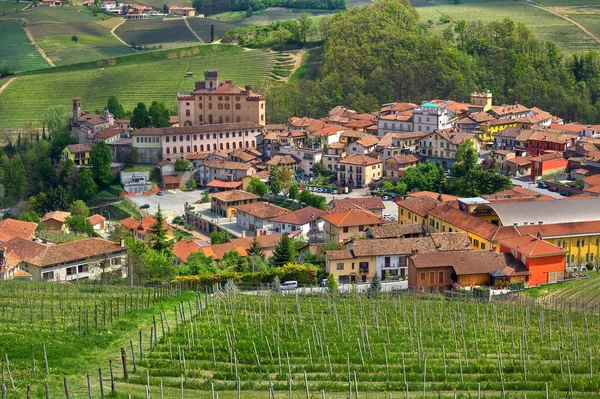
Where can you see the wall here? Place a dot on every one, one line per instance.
(474, 279)
(351, 270)
(540, 267)
(417, 284)
(178, 145)
(338, 234)
(400, 269)
(440, 226)
(204, 105)
(407, 217)
(91, 268)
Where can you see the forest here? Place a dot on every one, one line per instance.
(380, 53)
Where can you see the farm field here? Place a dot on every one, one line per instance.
(54, 27)
(202, 27)
(132, 82)
(590, 21)
(543, 24)
(167, 32)
(274, 14)
(402, 346)
(16, 51)
(9, 7)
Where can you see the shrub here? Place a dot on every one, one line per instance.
(517, 285)
(481, 293)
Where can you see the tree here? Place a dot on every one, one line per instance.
(59, 141)
(14, 180)
(80, 225)
(255, 248)
(286, 179)
(165, 9)
(318, 168)
(30, 216)
(304, 25)
(284, 252)
(466, 159)
(140, 118)
(200, 264)
(219, 237)
(159, 240)
(118, 231)
(375, 286)
(273, 174)
(79, 208)
(249, 12)
(293, 193)
(191, 184)
(257, 186)
(56, 119)
(86, 187)
(332, 285)
(205, 198)
(212, 33)
(182, 164)
(74, 38)
(305, 197)
(100, 160)
(159, 114)
(276, 187)
(132, 157)
(115, 107)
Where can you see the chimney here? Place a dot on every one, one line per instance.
(248, 89)
(76, 108)
(244, 234)
(122, 242)
(539, 235)
(414, 251)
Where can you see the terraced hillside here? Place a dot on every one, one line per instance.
(16, 51)
(53, 29)
(133, 81)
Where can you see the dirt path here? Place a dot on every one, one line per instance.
(32, 40)
(112, 31)
(566, 18)
(5, 85)
(297, 57)
(190, 28)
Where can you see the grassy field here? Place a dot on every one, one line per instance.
(543, 24)
(590, 21)
(16, 51)
(11, 6)
(145, 77)
(54, 27)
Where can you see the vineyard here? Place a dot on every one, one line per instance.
(151, 32)
(202, 27)
(16, 51)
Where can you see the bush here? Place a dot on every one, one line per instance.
(481, 293)
(516, 286)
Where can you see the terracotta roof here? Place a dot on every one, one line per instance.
(220, 127)
(234, 195)
(204, 155)
(548, 157)
(183, 248)
(300, 217)
(464, 221)
(92, 119)
(241, 245)
(223, 87)
(108, 133)
(452, 105)
(521, 161)
(273, 126)
(262, 210)
(282, 160)
(322, 126)
(359, 124)
(368, 140)
(455, 241)
(394, 230)
(509, 109)
(392, 246)
(140, 226)
(301, 122)
(472, 262)
(11, 228)
(46, 255)
(268, 241)
(12, 260)
(352, 217)
(551, 136)
(532, 247)
(359, 159)
(352, 133)
(22, 273)
(339, 254)
(509, 132)
(454, 137)
(573, 127)
(73, 148)
(224, 184)
(593, 180)
(217, 164)
(59, 216)
(344, 204)
(405, 159)
(337, 145)
(431, 194)
(398, 107)
(163, 163)
(95, 219)
(404, 116)
(592, 190)
(244, 155)
(515, 192)
(419, 205)
(562, 229)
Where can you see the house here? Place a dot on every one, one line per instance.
(441, 146)
(136, 182)
(296, 123)
(305, 157)
(518, 166)
(224, 203)
(395, 230)
(304, 222)
(545, 261)
(320, 135)
(182, 249)
(494, 126)
(283, 161)
(548, 164)
(214, 101)
(56, 220)
(98, 222)
(244, 155)
(511, 111)
(434, 195)
(393, 144)
(545, 140)
(51, 3)
(480, 102)
(84, 124)
(398, 163)
(371, 204)
(472, 123)
(358, 170)
(365, 145)
(350, 136)
(140, 229)
(109, 135)
(506, 139)
(426, 117)
(263, 176)
(182, 11)
(78, 153)
(437, 271)
(220, 185)
(343, 225)
(414, 210)
(225, 170)
(70, 261)
(172, 182)
(256, 216)
(11, 228)
(332, 156)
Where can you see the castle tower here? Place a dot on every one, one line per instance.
(211, 79)
(76, 108)
(482, 99)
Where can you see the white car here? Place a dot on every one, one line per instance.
(289, 285)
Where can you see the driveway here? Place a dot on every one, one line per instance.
(171, 204)
(528, 184)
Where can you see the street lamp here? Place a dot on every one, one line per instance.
(108, 212)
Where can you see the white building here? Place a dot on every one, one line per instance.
(305, 223)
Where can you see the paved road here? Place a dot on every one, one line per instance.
(171, 204)
(528, 184)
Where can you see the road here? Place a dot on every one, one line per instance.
(171, 204)
(528, 184)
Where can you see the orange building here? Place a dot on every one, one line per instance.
(545, 261)
(548, 164)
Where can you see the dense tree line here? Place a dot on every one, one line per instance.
(380, 53)
(209, 7)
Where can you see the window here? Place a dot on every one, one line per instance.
(220, 106)
(174, 150)
(188, 148)
(440, 277)
(181, 138)
(167, 139)
(577, 243)
(422, 275)
(48, 276)
(168, 151)
(201, 147)
(431, 277)
(476, 243)
(195, 137)
(226, 106)
(345, 230)
(237, 98)
(361, 228)
(483, 245)
(187, 112)
(174, 139)
(443, 227)
(187, 137)
(238, 106)
(195, 148)
(181, 149)
(340, 266)
(583, 242)
(82, 268)
(220, 98)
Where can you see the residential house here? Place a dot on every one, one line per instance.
(140, 229)
(395, 230)
(11, 228)
(245, 155)
(517, 167)
(513, 111)
(472, 123)
(305, 157)
(350, 136)
(182, 249)
(545, 261)
(548, 164)
(480, 102)
(225, 170)
(414, 210)
(343, 225)
(358, 170)
(395, 166)
(547, 140)
(371, 204)
(494, 126)
(438, 271)
(506, 139)
(98, 222)
(263, 176)
(305, 223)
(426, 117)
(332, 156)
(283, 161)
(109, 135)
(56, 220)
(202, 172)
(182, 11)
(365, 145)
(224, 203)
(301, 123)
(256, 216)
(441, 146)
(78, 153)
(431, 194)
(84, 124)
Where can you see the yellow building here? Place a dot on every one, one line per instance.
(414, 210)
(358, 170)
(348, 269)
(494, 126)
(78, 153)
(483, 100)
(223, 203)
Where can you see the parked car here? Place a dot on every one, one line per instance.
(160, 193)
(324, 282)
(145, 206)
(542, 184)
(386, 198)
(565, 193)
(289, 285)
(553, 189)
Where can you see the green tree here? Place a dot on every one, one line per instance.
(249, 12)
(79, 208)
(115, 107)
(257, 186)
(191, 183)
(86, 187)
(332, 285)
(375, 286)
(100, 160)
(80, 225)
(56, 119)
(205, 198)
(14, 180)
(466, 159)
(182, 164)
(275, 187)
(140, 118)
(159, 114)
(318, 168)
(255, 248)
(219, 237)
(212, 33)
(305, 26)
(305, 197)
(30, 216)
(293, 192)
(59, 142)
(159, 240)
(132, 157)
(273, 174)
(284, 252)
(201, 264)
(286, 179)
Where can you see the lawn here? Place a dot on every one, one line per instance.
(16, 51)
(54, 27)
(543, 24)
(147, 77)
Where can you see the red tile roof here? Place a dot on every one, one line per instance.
(215, 128)
(95, 219)
(419, 205)
(234, 195)
(352, 217)
(59, 216)
(471, 262)
(532, 247)
(108, 133)
(359, 159)
(11, 228)
(300, 217)
(224, 184)
(183, 248)
(344, 204)
(464, 221)
(140, 226)
(73, 148)
(262, 210)
(431, 194)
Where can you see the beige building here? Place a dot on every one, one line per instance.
(213, 101)
(358, 170)
(441, 146)
(182, 11)
(352, 223)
